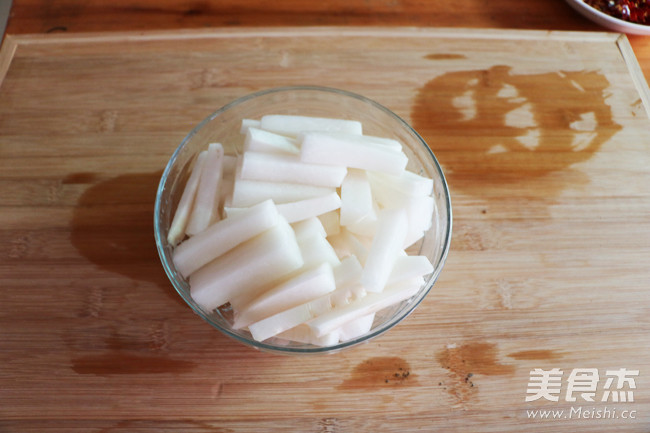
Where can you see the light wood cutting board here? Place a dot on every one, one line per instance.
(545, 140)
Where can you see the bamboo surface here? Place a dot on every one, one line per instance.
(544, 138)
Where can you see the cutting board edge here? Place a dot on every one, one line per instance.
(12, 42)
(392, 31)
(634, 68)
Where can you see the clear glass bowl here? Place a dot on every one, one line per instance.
(224, 126)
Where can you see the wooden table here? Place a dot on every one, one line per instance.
(544, 137)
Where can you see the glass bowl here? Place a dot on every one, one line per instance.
(224, 126)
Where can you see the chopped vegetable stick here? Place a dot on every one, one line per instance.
(355, 328)
(308, 227)
(356, 198)
(388, 143)
(303, 334)
(297, 211)
(348, 272)
(371, 303)
(326, 340)
(352, 152)
(224, 235)
(250, 192)
(315, 250)
(294, 125)
(346, 244)
(407, 267)
(407, 183)
(247, 124)
(206, 203)
(367, 227)
(311, 207)
(330, 221)
(386, 245)
(266, 258)
(288, 319)
(289, 168)
(259, 140)
(347, 294)
(300, 314)
(420, 211)
(303, 288)
(225, 193)
(185, 204)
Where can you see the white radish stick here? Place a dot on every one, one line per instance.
(366, 227)
(308, 227)
(386, 245)
(420, 211)
(330, 221)
(250, 192)
(356, 198)
(408, 267)
(355, 328)
(347, 294)
(266, 258)
(225, 193)
(185, 204)
(230, 164)
(259, 140)
(351, 151)
(348, 272)
(405, 192)
(297, 211)
(407, 183)
(295, 125)
(300, 314)
(289, 168)
(224, 235)
(206, 203)
(388, 143)
(311, 207)
(346, 244)
(316, 250)
(371, 303)
(288, 319)
(303, 334)
(246, 124)
(303, 288)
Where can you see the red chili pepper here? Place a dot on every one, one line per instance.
(636, 11)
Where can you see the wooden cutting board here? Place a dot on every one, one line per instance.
(544, 137)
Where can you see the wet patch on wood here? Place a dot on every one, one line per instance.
(466, 361)
(536, 355)
(378, 372)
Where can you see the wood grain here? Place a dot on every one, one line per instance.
(544, 139)
(44, 16)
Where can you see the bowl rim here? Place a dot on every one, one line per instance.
(161, 241)
(609, 21)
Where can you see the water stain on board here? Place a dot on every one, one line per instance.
(445, 56)
(119, 357)
(493, 127)
(379, 372)
(535, 355)
(467, 360)
(112, 227)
